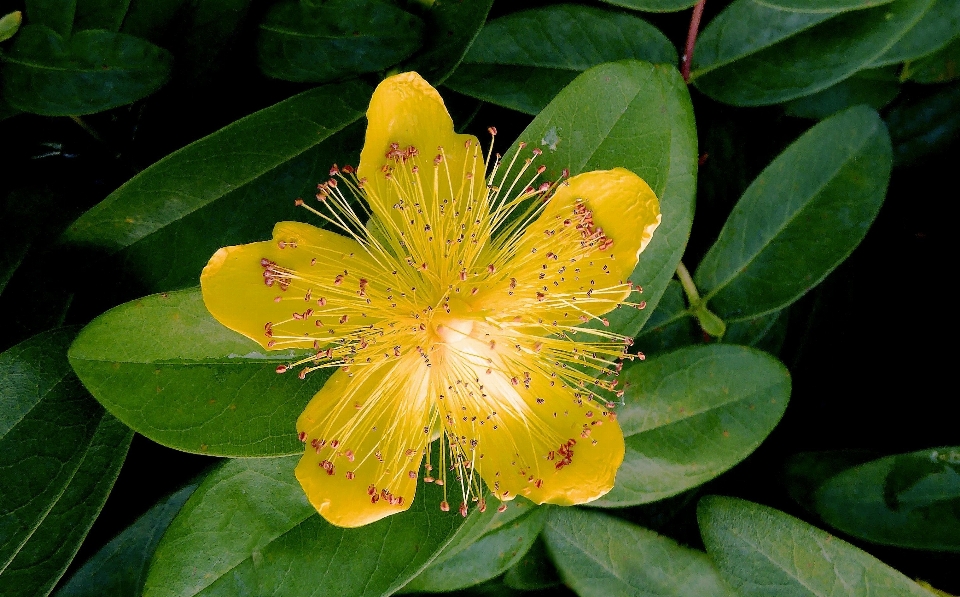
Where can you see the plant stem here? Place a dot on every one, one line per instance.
(86, 127)
(693, 296)
(691, 40)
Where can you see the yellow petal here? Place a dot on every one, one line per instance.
(364, 441)
(573, 262)
(235, 292)
(534, 436)
(405, 110)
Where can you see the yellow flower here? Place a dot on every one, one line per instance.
(453, 300)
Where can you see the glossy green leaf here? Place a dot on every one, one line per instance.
(43, 559)
(909, 500)
(55, 14)
(451, 26)
(248, 529)
(862, 88)
(598, 556)
(533, 571)
(813, 60)
(100, 14)
(690, 415)
(59, 456)
(670, 326)
(746, 27)
(825, 5)
(324, 42)
(480, 556)
(195, 386)
(91, 71)
(653, 5)
(939, 67)
(10, 24)
(524, 59)
(218, 191)
(638, 116)
(800, 218)
(934, 31)
(924, 126)
(119, 569)
(762, 552)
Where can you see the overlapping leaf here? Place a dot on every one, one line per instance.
(164, 366)
(450, 29)
(598, 555)
(800, 218)
(524, 59)
(762, 552)
(690, 415)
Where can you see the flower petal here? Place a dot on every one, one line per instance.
(406, 111)
(280, 305)
(525, 431)
(573, 262)
(364, 441)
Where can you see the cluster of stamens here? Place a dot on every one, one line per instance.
(450, 289)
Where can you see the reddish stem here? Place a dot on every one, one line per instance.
(691, 40)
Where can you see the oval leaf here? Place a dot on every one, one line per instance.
(939, 67)
(815, 59)
(931, 33)
(169, 219)
(825, 5)
(692, 414)
(925, 126)
(91, 71)
(44, 558)
(119, 569)
(301, 41)
(598, 555)
(59, 457)
(800, 218)
(866, 87)
(653, 5)
(248, 529)
(506, 538)
(196, 386)
(908, 500)
(638, 116)
(529, 57)
(762, 552)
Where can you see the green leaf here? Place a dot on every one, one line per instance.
(43, 559)
(653, 5)
(92, 71)
(690, 415)
(825, 5)
(800, 218)
(924, 126)
(862, 88)
(598, 555)
(324, 42)
(48, 425)
(670, 325)
(506, 537)
(533, 571)
(746, 27)
(55, 14)
(119, 569)
(100, 14)
(195, 386)
(815, 59)
(10, 24)
(150, 19)
(934, 31)
(248, 529)
(909, 500)
(203, 31)
(451, 26)
(939, 67)
(638, 116)
(762, 552)
(227, 188)
(524, 59)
